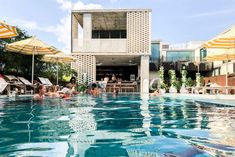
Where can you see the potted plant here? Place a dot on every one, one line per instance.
(82, 87)
(198, 79)
(162, 85)
(172, 81)
(183, 79)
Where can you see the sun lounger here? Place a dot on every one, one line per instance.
(14, 83)
(28, 85)
(45, 81)
(3, 84)
(48, 82)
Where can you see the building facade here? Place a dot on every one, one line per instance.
(107, 42)
(175, 56)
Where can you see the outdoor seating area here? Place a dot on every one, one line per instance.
(123, 87)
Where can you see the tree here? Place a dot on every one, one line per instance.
(21, 65)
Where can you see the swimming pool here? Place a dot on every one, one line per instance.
(120, 125)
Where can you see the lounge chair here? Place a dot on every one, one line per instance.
(45, 81)
(28, 85)
(48, 82)
(15, 84)
(3, 85)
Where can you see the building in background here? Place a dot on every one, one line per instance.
(108, 42)
(175, 56)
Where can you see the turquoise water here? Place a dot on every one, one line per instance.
(116, 126)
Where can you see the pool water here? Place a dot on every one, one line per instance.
(121, 125)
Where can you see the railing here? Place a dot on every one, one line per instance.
(191, 66)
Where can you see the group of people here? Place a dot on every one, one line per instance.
(55, 91)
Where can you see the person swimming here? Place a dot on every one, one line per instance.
(40, 94)
(155, 93)
(54, 93)
(94, 90)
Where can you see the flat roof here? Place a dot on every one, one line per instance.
(156, 41)
(173, 50)
(109, 10)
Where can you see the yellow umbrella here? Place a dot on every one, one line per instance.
(31, 46)
(225, 40)
(7, 31)
(225, 43)
(58, 58)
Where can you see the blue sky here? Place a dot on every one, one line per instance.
(173, 21)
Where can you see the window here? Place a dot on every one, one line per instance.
(106, 34)
(174, 56)
(165, 46)
(155, 52)
(95, 34)
(203, 53)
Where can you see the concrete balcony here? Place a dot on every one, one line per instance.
(99, 46)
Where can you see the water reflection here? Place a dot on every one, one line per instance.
(116, 126)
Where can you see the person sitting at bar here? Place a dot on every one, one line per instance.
(114, 78)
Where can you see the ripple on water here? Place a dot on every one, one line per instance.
(121, 126)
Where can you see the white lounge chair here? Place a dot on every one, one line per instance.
(15, 84)
(45, 81)
(3, 84)
(28, 85)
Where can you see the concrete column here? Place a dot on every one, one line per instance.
(74, 33)
(144, 71)
(87, 30)
(94, 69)
(74, 27)
(87, 26)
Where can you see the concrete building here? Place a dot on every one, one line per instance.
(174, 56)
(110, 42)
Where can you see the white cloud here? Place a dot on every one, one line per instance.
(63, 29)
(32, 25)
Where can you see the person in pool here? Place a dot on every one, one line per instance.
(54, 93)
(155, 93)
(94, 90)
(40, 94)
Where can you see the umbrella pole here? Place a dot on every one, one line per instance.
(57, 81)
(226, 80)
(32, 67)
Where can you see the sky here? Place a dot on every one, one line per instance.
(173, 21)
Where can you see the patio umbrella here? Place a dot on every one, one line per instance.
(31, 46)
(58, 58)
(7, 31)
(225, 40)
(224, 43)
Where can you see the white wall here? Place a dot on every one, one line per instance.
(100, 45)
(144, 73)
(225, 67)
